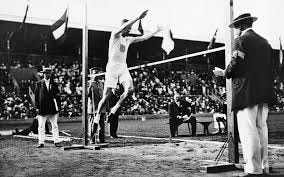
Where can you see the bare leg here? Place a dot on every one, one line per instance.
(128, 88)
(106, 95)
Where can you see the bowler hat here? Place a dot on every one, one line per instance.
(242, 18)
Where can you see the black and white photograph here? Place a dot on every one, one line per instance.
(141, 88)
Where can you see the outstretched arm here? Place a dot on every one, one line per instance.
(147, 36)
(129, 23)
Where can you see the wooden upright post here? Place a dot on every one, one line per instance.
(85, 76)
(232, 124)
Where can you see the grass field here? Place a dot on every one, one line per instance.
(149, 128)
(125, 156)
(159, 128)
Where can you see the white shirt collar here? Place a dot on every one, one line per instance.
(243, 32)
(46, 80)
(47, 83)
(177, 103)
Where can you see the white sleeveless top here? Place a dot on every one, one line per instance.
(118, 47)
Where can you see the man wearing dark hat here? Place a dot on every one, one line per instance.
(251, 71)
(47, 104)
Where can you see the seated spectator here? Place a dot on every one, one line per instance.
(220, 122)
(179, 113)
(220, 119)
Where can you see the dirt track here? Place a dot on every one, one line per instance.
(19, 157)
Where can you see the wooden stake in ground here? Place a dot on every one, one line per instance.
(85, 76)
(232, 125)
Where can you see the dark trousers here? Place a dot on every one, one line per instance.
(224, 121)
(113, 125)
(101, 130)
(174, 123)
(33, 128)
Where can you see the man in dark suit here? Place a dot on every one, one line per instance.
(251, 70)
(179, 113)
(47, 104)
(95, 93)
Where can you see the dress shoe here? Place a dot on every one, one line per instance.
(58, 144)
(98, 141)
(114, 136)
(40, 146)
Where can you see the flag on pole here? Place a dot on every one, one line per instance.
(24, 19)
(212, 42)
(140, 28)
(59, 28)
(280, 68)
(22, 26)
(168, 44)
(280, 54)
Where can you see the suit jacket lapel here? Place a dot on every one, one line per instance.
(44, 85)
(49, 86)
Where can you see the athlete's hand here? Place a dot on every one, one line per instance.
(160, 28)
(143, 14)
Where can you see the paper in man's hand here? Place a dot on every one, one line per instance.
(218, 71)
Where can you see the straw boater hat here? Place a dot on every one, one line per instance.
(46, 70)
(242, 18)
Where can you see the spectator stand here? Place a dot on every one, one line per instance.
(153, 88)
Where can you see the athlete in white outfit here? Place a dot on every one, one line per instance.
(116, 69)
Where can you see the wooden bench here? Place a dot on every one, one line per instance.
(177, 127)
(205, 119)
(275, 123)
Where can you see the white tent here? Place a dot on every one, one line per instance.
(188, 19)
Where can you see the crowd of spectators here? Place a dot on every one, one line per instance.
(16, 107)
(19, 105)
(5, 78)
(279, 90)
(154, 89)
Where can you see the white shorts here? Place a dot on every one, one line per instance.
(116, 73)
